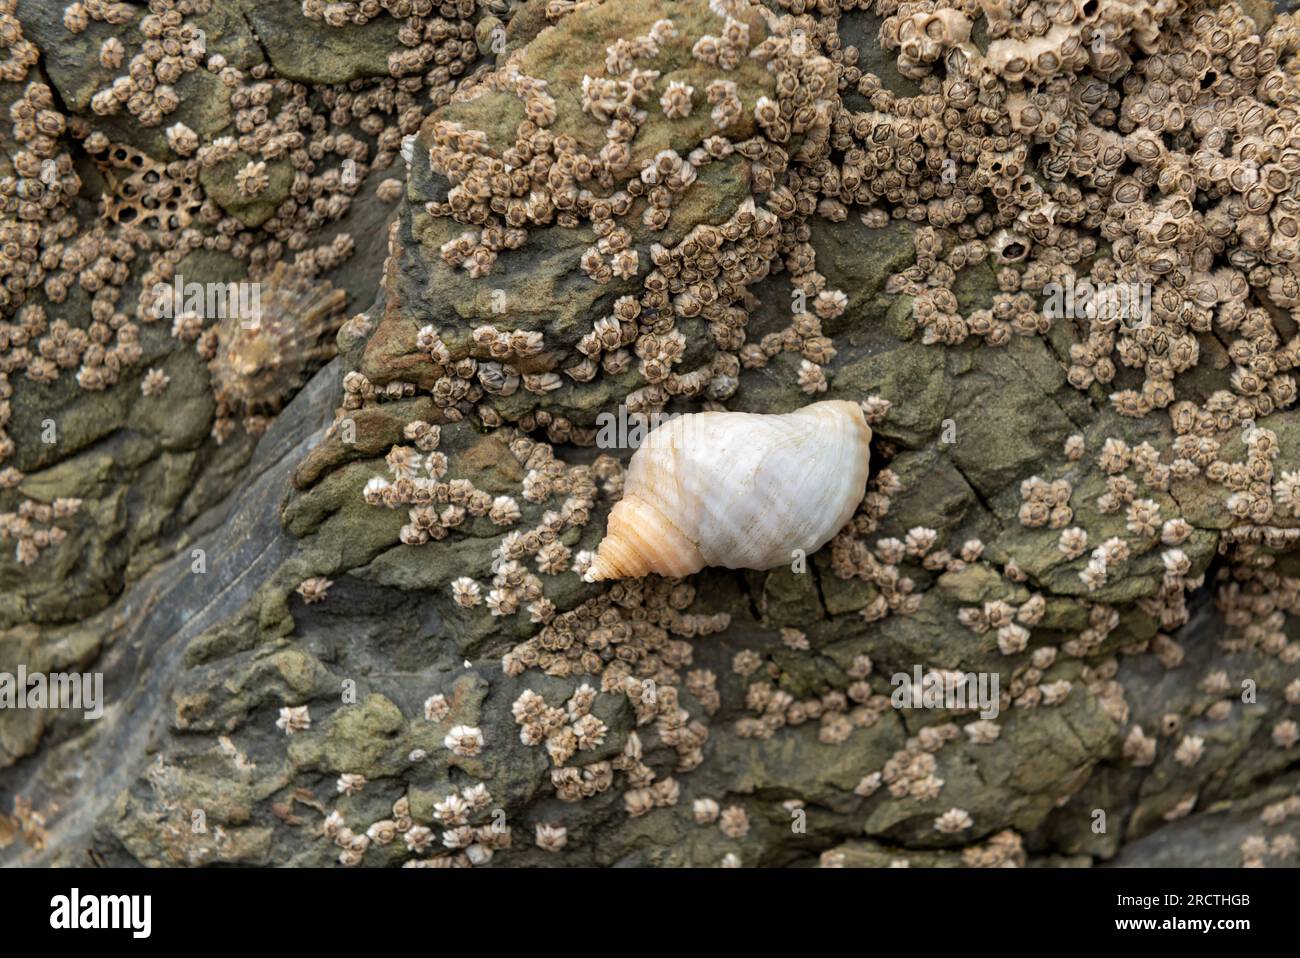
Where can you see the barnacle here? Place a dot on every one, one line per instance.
(314, 589)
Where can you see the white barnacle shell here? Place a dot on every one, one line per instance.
(739, 490)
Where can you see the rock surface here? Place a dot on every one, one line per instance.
(203, 671)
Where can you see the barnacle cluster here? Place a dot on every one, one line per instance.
(32, 527)
(1101, 145)
(171, 49)
(259, 185)
(470, 844)
(1115, 183)
(1179, 157)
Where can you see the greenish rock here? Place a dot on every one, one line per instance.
(790, 598)
(220, 183)
(311, 51)
(200, 663)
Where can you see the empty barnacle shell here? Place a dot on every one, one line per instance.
(740, 490)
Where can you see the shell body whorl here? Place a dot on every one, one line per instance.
(739, 490)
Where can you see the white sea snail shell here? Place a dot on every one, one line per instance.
(734, 489)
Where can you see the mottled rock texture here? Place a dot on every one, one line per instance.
(189, 765)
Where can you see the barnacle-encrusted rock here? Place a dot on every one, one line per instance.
(913, 207)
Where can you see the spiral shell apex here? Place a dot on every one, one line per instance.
(739, 490)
